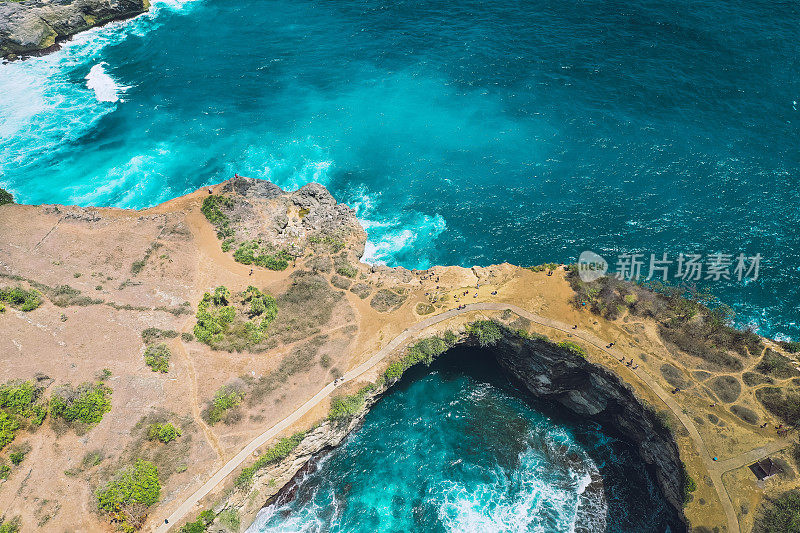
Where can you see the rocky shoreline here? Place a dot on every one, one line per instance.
(545, 370)
(34, 27)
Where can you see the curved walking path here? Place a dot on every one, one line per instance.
(715, 469)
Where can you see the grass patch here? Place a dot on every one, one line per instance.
(387, 300)
(214, 208)
(783, 404)
(151, 335)
(139, 265)
(752, 379)
(252, 253)
(695, 322)
(276, 453)
(10, 526)
(21, 406)
(424, 309)
(727, 388)
(362, 290)
(156, 356)
(335, 245)
(340, 283)
(22, 299)
(204, 519)
(777, 365)
(573, 348)
(746, 414)
(779, 514)
(127, 496)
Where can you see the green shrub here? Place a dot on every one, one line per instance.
(225, 398)
(277, 453)
(213, 210)
(790, 346)
(126, 497)
(573, 348)
(17, 456)
(251, 253)
(227, 244)
(19, 298)
(187, 337)
(776, 365)
(8, 428)
(784, 405)
(423, 351)
(487, 332)
(151, 335)
(156, 356)
(87, 403)
(344, 407)
(200, 525)
(6, 197)
(689, 486)
(229, 518)
(163, 432)
(219, 325)
(9, 526)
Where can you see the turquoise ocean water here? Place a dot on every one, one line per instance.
(464, 133)
(460, 449)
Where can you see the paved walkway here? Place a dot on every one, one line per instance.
(715, 468)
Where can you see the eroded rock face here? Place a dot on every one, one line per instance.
(555, 374)
(546, 371)
(35, 25)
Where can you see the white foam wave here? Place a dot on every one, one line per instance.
(104, 87)
(43, 107)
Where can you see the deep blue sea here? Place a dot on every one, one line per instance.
(458, 448)
(469, 132)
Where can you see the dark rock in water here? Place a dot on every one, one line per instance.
(33, 26)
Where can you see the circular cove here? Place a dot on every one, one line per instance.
(457, 447)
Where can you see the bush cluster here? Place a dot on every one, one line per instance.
(200, 525)
(424, 351)
(252, 253)
(163, 432)
(9, 526)
(21, 404)
(224, 399)
(277, 453)
(156, 356)
(486, 332)
(87, 403)
(151, 335)
(784, 405)
(219, 322)
(128, 495)
(213, 210)
(573, 347)
(19, 298)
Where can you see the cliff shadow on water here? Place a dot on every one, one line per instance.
(492, 439)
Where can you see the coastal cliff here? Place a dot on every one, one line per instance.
(547, 372)
(35, 26)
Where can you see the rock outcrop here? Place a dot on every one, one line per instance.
(33, 26)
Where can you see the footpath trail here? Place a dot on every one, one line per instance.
(715, 468)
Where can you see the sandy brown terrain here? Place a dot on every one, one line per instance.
(141, 269)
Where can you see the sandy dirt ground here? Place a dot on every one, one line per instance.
(94, 251)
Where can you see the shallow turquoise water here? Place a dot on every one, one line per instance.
(464, 133)
(460, 449)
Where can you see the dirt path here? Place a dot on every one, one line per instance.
(715, 468)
